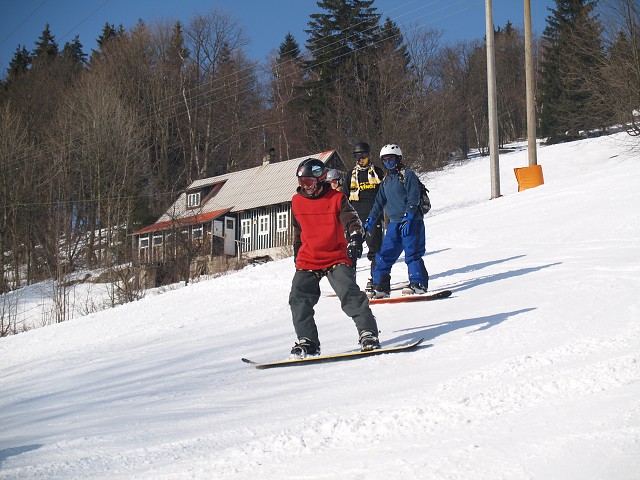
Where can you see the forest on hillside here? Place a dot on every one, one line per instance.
(97, 144)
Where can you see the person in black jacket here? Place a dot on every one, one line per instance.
(364, 185)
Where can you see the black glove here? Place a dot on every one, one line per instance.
(354, 249)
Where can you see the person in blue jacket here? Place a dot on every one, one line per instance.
(399, 196)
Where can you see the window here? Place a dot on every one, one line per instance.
(157, 240)
(144, 242)
(193, 200)
(263, 225)
(283, 221)
(217, 228)
(245, 228)
(198, 232)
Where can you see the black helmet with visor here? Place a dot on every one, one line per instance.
(311, 172)
(361, 150)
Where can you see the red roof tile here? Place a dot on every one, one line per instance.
(192, 220)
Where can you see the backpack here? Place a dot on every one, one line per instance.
(425, 203)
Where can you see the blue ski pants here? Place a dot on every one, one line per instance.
(414, 246)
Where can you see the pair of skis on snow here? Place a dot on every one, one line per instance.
(358, 354)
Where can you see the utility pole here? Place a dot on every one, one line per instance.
(530, 81)
(493, 108)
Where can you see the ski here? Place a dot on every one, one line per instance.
(412, 298)
(336, 357)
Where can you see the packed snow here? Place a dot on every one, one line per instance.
(533, 370)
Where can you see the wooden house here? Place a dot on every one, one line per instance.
(245, 214)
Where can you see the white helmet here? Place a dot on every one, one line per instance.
(333, 175)
(391, 149)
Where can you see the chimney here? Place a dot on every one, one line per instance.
(269, 156)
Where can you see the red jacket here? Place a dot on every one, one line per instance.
(319, 225)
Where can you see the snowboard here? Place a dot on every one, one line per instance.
(412, 298)
(336, 357)
(394, 287)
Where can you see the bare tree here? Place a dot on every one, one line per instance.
(284, 130)
(510, 83)
(213, 84)
(15, 150)
(621, 71)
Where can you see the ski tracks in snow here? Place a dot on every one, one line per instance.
(477, 416)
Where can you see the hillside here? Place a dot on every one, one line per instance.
(534, 371)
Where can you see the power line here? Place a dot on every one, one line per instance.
(85, 19)
(23, 22)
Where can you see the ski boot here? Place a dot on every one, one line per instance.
(368, 341)
(414, 289)
(304, 348)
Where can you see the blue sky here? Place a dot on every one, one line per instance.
(266, 22)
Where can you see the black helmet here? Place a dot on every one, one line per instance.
(362, 147)
(314, 168)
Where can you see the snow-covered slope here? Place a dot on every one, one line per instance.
(534, 371)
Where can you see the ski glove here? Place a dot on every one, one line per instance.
(405, 224)
(354, 249)
(368, 225)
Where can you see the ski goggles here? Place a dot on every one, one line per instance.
(360, 155)
(307, 182)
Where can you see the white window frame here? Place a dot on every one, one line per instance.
(282, 221)
(264, 222)
(144, 242)
(245, 228)
(197, 232)
(193, 200)
(157, 240)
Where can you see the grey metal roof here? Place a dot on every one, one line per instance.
(268, 184)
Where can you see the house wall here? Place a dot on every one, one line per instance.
(168, 245)
(259, 229)
(266, 227)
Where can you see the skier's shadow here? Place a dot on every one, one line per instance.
(474, 267)
(14, 451)
(429, 332)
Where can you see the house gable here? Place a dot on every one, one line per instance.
(256, 202)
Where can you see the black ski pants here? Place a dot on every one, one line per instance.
(305, 293)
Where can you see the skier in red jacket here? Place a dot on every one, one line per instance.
(321, 216)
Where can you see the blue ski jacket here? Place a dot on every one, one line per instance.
(398, 194)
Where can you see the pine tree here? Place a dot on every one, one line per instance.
(286, 105)
(46, 47)
(109, 33)
(391, 35)
(337, 40)
(573, 54)
(73, 52)
(19, 64)
(177, 53)
(289, 48)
